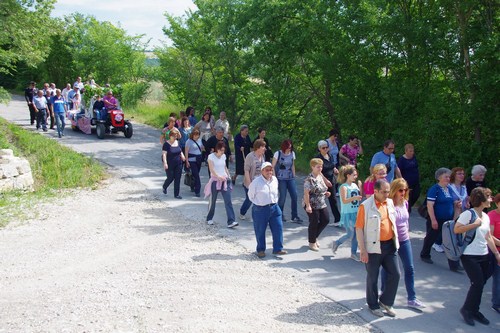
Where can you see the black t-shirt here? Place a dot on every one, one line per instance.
(472, 184)
(99, 105)
(212, 142)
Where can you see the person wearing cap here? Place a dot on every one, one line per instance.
(263, 193)
(242, 144)
(441, 208)
(253, 163)
(29, 94)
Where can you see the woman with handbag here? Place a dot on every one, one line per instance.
(193, 151)
(475, 256)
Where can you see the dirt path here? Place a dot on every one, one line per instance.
(117, 260)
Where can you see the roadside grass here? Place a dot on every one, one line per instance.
(154, 114)
(54, 168)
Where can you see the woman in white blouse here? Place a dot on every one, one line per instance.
(475, 257)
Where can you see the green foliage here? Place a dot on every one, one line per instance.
(424, 72)
(133, 93)
(153, 114)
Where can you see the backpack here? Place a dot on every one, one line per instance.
(455, 244)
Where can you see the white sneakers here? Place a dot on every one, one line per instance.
(232, 224)
(243, 217)
(438, 248)
(210, 222)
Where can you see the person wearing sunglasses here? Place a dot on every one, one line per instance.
(399, 194)
(330, 172)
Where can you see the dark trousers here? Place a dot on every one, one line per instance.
(333, 203)
(388, 260)
(195, 171)
(41, 119)
(318, 220)
(414, 194)
(174, 173)
(33, 116)
(430, 237)
(477, 269)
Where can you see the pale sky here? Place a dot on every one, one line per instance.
(135, 16)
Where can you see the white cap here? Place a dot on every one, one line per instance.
(265, 165)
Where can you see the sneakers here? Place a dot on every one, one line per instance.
(261, 254)
(438, 248)
(210, 222)
(388, 309)
(335, 246)
(297, 220)
(355, 257)
(232, 224)
(336, 224)
(416, 304)
(243, 217)
(313, 247)
(377, 312)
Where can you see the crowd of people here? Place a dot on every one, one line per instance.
(374, 213)
(52, 103)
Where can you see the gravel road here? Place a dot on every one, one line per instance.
(118, 259)
(126, 258)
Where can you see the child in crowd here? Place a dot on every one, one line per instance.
(350, 199)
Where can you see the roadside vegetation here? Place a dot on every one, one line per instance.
(54, 167)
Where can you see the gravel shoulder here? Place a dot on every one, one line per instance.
(116, 259)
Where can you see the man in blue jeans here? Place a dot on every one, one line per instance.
(263, 193)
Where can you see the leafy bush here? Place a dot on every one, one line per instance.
(133, 92)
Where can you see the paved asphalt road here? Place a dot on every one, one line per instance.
(338, 278)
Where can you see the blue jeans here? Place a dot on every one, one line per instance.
(262, 216)
(388, 260)
(226, 195)
(60, 122)
(406, 256)
(495, 295)
(246, 204)
(350, 233)
(291, 186)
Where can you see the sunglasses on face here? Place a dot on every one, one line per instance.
(402, 190)
(324, 147)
